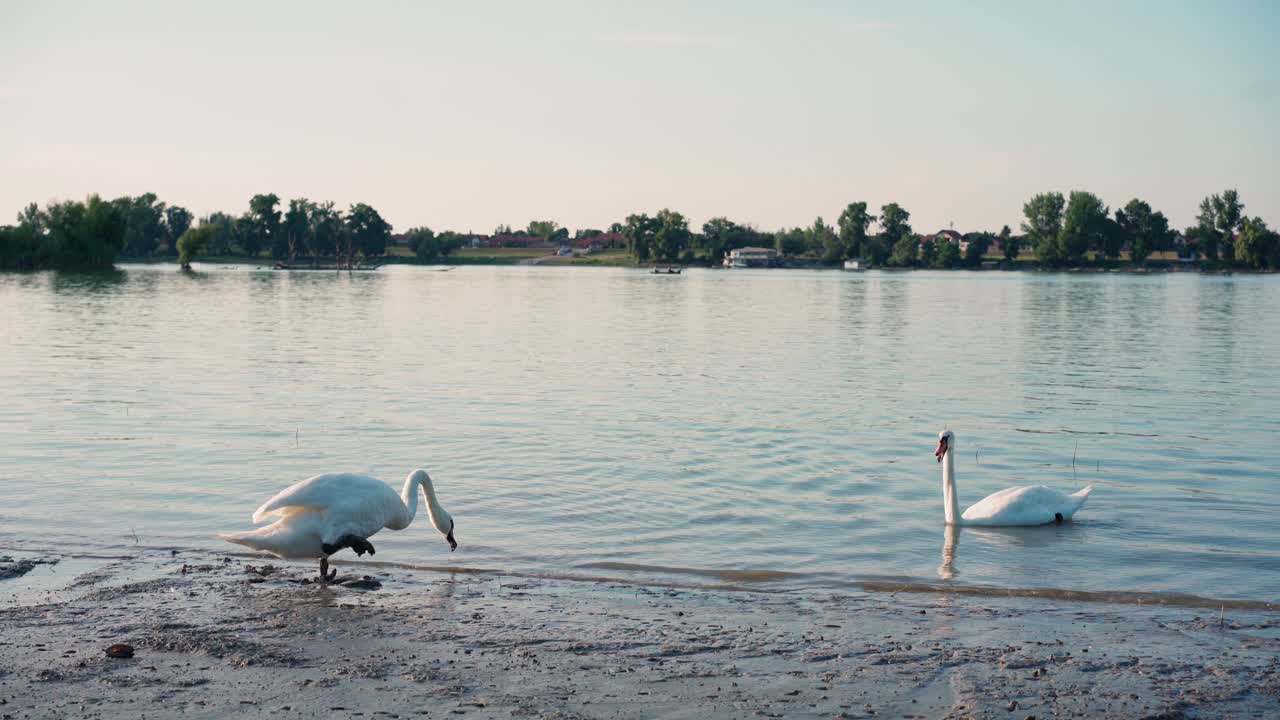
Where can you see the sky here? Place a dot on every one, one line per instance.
(465, 116)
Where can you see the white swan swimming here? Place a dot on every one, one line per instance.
(1026, 505)
(326, 513)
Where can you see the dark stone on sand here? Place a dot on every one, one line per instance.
(364, 583)
(10, 568)
(120, 651)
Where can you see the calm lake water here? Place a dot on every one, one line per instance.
(607, 421)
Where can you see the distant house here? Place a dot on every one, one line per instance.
(748, 257)
(602, 241)
(951, 236)
(519, 240)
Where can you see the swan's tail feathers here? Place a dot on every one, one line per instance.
(1080, 496)
(255, 539)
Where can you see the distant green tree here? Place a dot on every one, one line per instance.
(327, 230)
(815, 237)
(1219, 220)
(25, 246)
(947, 255)
(36, 218)
(544, 229)
(894, 223)
(715, 238)
(1083, 225)
(20, 247)
(429, 247)
(1256, 245)
(450, 242)
(906, 251)
(852, 224)
(264, 224)
(422, 242)
(789, 242)
(246, 236)
(176, 221)
(876, 250)
(978, 244)
(672, 236)
(144, 224)
(1009, 244)
(639, 230)
(928, 250)
(1043, 224)
(369, 232)
(829, 245)
(192, 242)
(85, 235)
(1207, 236)
(294, 238)
(1143, 230)
(1114, 237)
(222, 241)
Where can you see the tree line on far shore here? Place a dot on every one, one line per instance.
(90, 234)
(1060, 231)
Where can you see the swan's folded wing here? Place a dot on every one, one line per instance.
(316, 493)
(1023, 505)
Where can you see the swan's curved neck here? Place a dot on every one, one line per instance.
(419, 479)
(951, 504)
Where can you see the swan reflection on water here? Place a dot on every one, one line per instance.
(947, 569)
(1004, 539)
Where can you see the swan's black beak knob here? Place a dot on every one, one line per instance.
(453, 544)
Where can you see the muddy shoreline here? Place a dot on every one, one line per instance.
(213, 639)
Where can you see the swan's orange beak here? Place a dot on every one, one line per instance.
(942, 449)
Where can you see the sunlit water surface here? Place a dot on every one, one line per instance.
(613, 422)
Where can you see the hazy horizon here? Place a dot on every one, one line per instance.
(468, 117)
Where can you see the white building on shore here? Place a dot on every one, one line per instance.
(749, 257)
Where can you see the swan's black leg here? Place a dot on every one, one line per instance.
(325, 576)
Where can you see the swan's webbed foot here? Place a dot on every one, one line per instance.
(358, 544)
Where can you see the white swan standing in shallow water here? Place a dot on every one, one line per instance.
(1027, 505)
(326, 513)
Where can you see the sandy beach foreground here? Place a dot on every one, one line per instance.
(220, 636)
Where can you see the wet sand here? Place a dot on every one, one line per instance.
(213, 638)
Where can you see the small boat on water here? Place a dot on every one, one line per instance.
(856, 264)
(667, 271)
